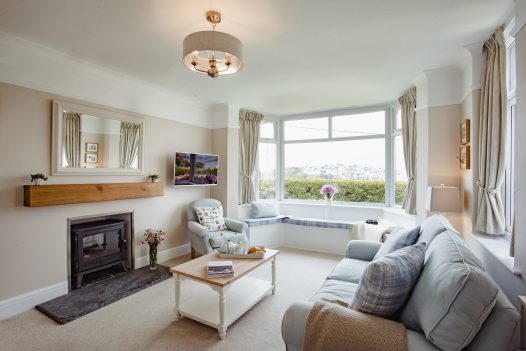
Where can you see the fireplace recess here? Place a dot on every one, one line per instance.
(97, 245)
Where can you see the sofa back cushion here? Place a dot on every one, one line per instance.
(387, 281)
(453, 296)
(400, 237)
(433, 226)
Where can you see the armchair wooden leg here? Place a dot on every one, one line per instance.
(192, 253)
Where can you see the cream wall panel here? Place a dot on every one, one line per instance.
(33, 251)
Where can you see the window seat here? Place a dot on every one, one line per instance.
(314, 234)
(307, 222)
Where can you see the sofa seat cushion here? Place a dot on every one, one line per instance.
(335, 291)
(453, 296)
(399, 238)
(349, 270)
(216, 239)
(387, 281)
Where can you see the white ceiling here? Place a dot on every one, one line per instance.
(300, 55)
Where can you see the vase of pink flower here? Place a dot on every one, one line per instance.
(328, 191)
(153, 237)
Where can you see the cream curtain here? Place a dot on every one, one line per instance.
(72, 139)
(408, 105)
(129, 144)
(249, 122)
(492, 137)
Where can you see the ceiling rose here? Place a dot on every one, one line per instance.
(212, 53)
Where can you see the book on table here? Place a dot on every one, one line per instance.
(219, 269)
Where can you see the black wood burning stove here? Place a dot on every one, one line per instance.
(95, 246)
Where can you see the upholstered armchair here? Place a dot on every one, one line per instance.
(204, 240)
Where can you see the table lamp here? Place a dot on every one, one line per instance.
(443, 199)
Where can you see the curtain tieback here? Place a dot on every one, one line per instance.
(411, 178)
(489, 191)
(245, 176)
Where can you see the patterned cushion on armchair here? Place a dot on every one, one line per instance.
(211, 217)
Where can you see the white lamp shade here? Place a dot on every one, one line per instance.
(212, 41)
(443, 199)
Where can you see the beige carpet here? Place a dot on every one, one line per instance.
(144, 321)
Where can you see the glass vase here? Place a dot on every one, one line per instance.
(153, 256)
(328, 199)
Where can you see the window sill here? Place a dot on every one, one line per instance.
(499, 247)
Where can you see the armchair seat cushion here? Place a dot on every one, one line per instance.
(349, 270)
(216, 240)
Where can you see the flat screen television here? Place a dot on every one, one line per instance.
(195, 169)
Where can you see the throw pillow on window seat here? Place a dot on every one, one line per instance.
(263, 210)
(387, 281)
(211, 217)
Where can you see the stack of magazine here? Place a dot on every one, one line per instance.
(219, 269)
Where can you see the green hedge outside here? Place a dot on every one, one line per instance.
(372, 191)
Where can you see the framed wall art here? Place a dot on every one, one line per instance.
(464, 132)
(92, 158)
(465, 156)
(92, 147)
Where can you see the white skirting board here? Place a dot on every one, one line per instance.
(21, 303)
(164, 255)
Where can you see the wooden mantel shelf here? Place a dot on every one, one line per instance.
(62, 194)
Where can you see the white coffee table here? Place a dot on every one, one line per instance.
(229, 298)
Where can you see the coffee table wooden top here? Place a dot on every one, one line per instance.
(196, 268)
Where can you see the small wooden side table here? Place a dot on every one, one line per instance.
(522, 301)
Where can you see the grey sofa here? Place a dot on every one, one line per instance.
(203, 240)
(444, 247)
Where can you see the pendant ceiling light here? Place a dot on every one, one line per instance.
(212, 53)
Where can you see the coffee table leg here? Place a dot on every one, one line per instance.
(177, 296)
(274, 275)
(222, 327)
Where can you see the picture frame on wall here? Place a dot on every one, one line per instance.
(92, 147)
(465, 157)
(465, 132)
(92, 158)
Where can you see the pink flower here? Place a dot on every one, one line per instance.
(328, 189)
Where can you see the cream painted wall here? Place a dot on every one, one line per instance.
(470, 109)
(437, 151)
(220, 147)
(33, 250)
(422, 171)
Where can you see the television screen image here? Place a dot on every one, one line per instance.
(195, 169)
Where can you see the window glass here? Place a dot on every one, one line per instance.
(400, 172)
(398, 118)
(314, 128)
(267, 170)
(356, 167)
(266, 130)
(362, 124)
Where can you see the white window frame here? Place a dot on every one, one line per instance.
(389, 170)
(273, 140)
(394, 133)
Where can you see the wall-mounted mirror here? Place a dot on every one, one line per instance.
(89, 140)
